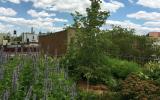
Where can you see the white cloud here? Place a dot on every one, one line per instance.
(40, 23)
(34, 13)
(7, 11)
(149, 3)
(77, 5)
(14, 1)
(140, 29)
(72, 5)
(152, 24)
(112, 6)
(145, 15)
(6, 27)
(131, 1)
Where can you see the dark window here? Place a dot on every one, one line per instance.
(27, 40)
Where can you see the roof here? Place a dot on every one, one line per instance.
(55, 33)
(154, 34)
(52, 34)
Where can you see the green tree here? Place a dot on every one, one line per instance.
(86, 53)
(127, 44)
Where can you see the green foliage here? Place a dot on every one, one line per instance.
(152, 71)
(115, 71)
(86, 58)
(37, 77)
(113, 96)
(91, 96)
(18, 38)
(126, 43)
(88, 96)
(120, 69)
(135, 88)
(86, 53)
(6, 81)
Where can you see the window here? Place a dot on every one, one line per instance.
(33, 37)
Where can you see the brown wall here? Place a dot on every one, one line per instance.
(55, 43)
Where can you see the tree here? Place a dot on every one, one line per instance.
(86, 53)
(127, 44)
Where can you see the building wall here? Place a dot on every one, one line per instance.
(1, 39)
(55, 43)
(31, 37)
(154, 34)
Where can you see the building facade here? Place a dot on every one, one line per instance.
(29, 38)
(56, 43)
(3, 40)
(155, 36)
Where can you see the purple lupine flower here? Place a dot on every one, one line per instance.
(1, 73)
(18, 69)
(57, 68)
(73, 91)
(14, 80)
(6, 95)
(66, 74)
(45, 88)
(34, 97)
(29, 93)
(50, 85)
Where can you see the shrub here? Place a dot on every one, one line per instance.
(88, 96)
(120, 69)
(113, 96)
(115, 71)
(106, 96)
(152, 71)
(137, 89)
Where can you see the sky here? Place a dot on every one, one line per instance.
(54, 15)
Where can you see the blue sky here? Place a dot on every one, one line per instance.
(53, 15)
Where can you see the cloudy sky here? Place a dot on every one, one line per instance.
(53, 15)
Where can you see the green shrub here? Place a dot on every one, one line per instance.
(120, 69)
(152, 71)
(134, 88)
(113, 96)
(106, 96)
(87, 96)
(115, 71)
(111, 82)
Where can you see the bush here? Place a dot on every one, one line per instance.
(113, 96)
(120, 69)
(106, 96)
(137, 89)
(110, 73)
(88, 96)
(152, 71)
(115, 71)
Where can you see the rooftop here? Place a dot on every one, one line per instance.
(154, 34)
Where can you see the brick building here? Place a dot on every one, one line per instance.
(56, 43)
(156, 37)
(154, 34)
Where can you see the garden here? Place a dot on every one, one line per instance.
(99, 65)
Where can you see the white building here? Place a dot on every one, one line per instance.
(29, 38)
(2, 39)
